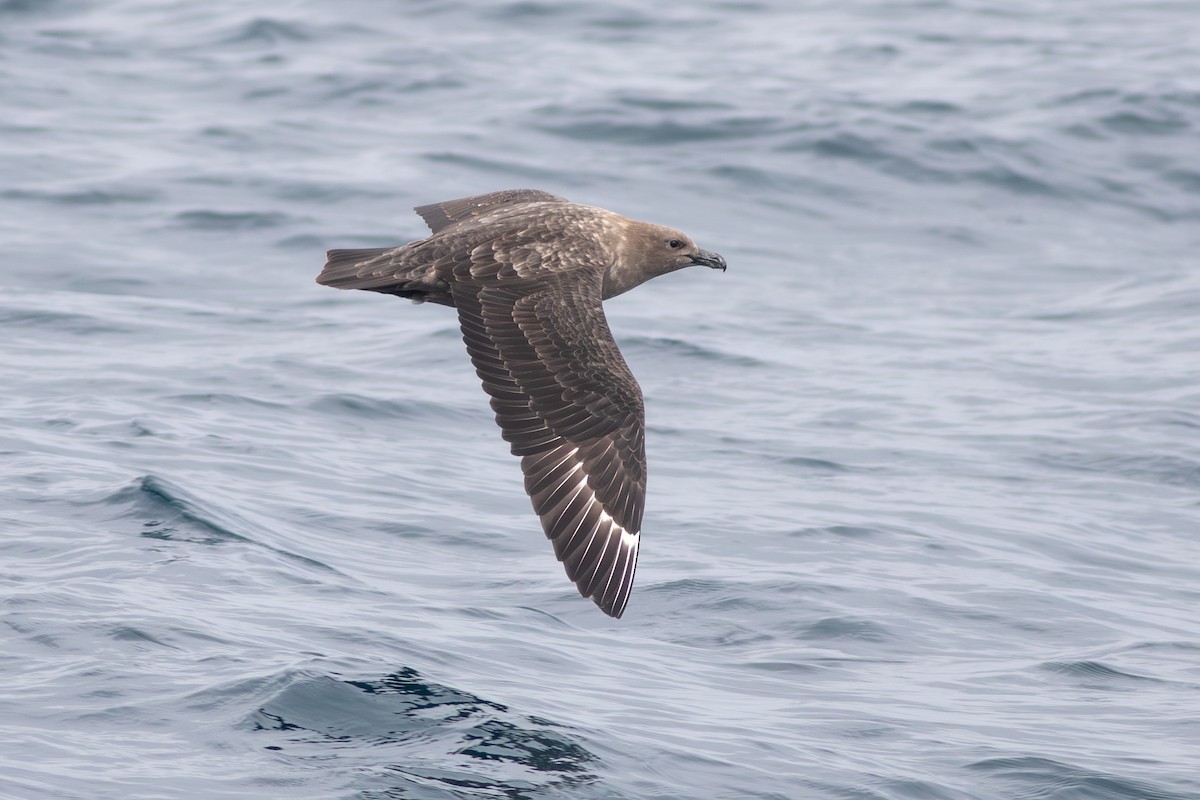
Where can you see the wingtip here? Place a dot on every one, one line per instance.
(613, 596)
(616, 612)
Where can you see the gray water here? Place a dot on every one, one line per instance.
(924, 499)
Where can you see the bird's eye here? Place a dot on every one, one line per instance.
(675, 244)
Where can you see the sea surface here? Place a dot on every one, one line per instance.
(924, 507)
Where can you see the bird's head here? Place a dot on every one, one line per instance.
(676, 250)
(648, 251)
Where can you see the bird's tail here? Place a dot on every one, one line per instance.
(350, 269)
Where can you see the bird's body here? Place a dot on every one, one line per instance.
(527, 272)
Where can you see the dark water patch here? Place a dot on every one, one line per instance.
(833, 628)
(672, 104)
(269, 91)
(1082, 130)
(527, 10)
(813, 465)
(100, 284)
(935, 108)
(956, 234)
(1169, 647)
(849, 146)
(723, 633)
(17, 129)
(742, 6)
(431, 733)
(1185, 179)
(590, 17)
(1167, 297)
(304, 241)
(120, 433)
(1083, 96)
(126, 633)
(838, 791)
(955, 145)
(85, 197)
(222, 179)
(1008, 165)
(512, 169)
(1134, 124)
(698, 593)
(356, 91)
(783, 667)
(789, 187)
(1094, 674)
(266, 31)
(539, 749)
(1046, 779)
(860, 149)
(913, 789)
(230, 139)
(635, 19)
(81, 44)
(370, 92)
(621, 123)
(379, 710)
(879, 54)
(733, 601)
(19, 7)
(224, 400)
(406, 529)
(660, 133)
(679, 348)
(1113, 113)
(840, 531)
(375, 408)
(976, 161)
(44, 321)
(1164, 469)
(382, 92)
(1014, 181)
(1187, 99)
(230, 221)
(962, 611)
(1164, 419)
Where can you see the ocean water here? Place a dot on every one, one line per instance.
(924, 508)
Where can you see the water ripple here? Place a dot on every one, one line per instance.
(1030, 776)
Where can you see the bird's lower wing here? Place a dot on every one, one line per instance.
(568, 404)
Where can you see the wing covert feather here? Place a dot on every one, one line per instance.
(450, 212)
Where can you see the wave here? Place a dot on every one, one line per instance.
(426, 739)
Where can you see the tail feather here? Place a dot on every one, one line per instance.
(377, 270)
(348, 269)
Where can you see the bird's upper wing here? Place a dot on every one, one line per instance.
(450, 212)
(567, 403)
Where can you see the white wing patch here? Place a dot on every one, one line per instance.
(608, 559)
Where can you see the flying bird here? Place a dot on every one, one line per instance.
(527, 271)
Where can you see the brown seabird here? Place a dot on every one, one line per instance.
(527, 272)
